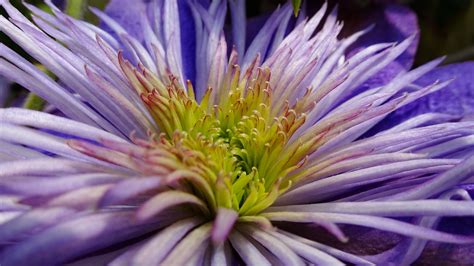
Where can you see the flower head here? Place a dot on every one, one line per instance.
(220, 158)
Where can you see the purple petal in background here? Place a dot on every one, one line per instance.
(455, 99)
(59, 3)
(188, 40)
(393, 23)
(130, 16)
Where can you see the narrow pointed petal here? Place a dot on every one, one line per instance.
(74, 238)
(166, 200)
(223, 224)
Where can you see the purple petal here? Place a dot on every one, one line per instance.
(408, 250)
(188, 247)
(165, 200)
(253, 26)
(239, 24)
(443, 182)
(223, 224)
(40, 186)
(219, 256)
(380, 223)
(73, 238)
(201, 255)
(38, 140)
(262, 40)
(82, 198)
(33, 221)
(247, 251)
(157, 248)
(188, 40)
(278, 248)
(43, 120)
(320, 189)
(130, 188)
(11, 203)
(386, 208)
(393, 23)
(418, 121)
(455, 99)
(45, 167)
(128, 16)
(126, 254)
(335, 252)
(310, 253)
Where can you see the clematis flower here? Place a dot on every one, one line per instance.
(183, 148)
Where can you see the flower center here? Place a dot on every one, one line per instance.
(235, 139)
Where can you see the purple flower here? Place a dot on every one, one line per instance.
(181, 148)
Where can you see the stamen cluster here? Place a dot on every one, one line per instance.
(237, 148)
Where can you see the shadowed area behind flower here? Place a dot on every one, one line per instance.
(157, 164)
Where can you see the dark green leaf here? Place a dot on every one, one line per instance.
(34, 102)
(296, 6)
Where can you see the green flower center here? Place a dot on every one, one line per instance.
(234, 141)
